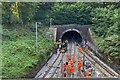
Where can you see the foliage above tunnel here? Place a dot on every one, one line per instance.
(71, 13)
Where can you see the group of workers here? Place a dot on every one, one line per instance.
(68, 66)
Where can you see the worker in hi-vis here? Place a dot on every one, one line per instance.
(87, 73)
(79, 64)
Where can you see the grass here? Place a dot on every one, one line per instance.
(19, 54)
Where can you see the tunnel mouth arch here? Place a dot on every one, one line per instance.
(72, 35)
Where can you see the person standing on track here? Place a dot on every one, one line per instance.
(71, 63)
(72, 70)
(68, 70)
(65, 74)
(66, 41)
(80, 50)
(67, 57)
(72, 67)
(73, 57)
(79, 64)
(64, 67)
(87, 73)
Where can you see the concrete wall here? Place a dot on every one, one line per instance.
(83, 29)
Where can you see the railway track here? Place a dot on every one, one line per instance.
(60, 60)
(53, 66)
(46, 68)
(106, 70)
(58, 65)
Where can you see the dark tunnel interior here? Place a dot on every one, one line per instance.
(72, 36)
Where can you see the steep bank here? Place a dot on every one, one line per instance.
(19, 50)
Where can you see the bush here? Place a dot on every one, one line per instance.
(19, 53)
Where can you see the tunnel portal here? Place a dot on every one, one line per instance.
(72, 36)
(79, 33)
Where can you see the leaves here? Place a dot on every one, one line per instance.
(71, 13)
(106, 25)
(19, 53)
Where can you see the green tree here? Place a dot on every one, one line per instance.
(42, 13)
(71, 13)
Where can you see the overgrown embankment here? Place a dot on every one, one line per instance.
(19, 50)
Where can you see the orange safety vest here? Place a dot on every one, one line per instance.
(68, 69)
(73, 55)
(87, 73)
(71, 62)
(67, 54)
(64, 66)
(79, 66)
(80, 49)
(72, 69)
(67, 59)
(73, 59)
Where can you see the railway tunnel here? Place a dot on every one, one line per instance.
(72, 36)
(74, 33)
(78, 33)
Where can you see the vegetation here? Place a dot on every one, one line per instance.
(19, 51)
(106, 27)
(74, 13)
(105, 21)
(19, 55)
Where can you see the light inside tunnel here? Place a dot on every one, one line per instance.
(72, 36)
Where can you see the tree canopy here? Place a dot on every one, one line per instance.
(104, 18)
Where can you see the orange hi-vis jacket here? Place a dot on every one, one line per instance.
(72, 69)
(67, 57)
(73, 59)
(64, 66)
(80, 50)
(87, 73)
(79, 66)
(71, 62)
(73, 55)
(67, 54)
(68, 69)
